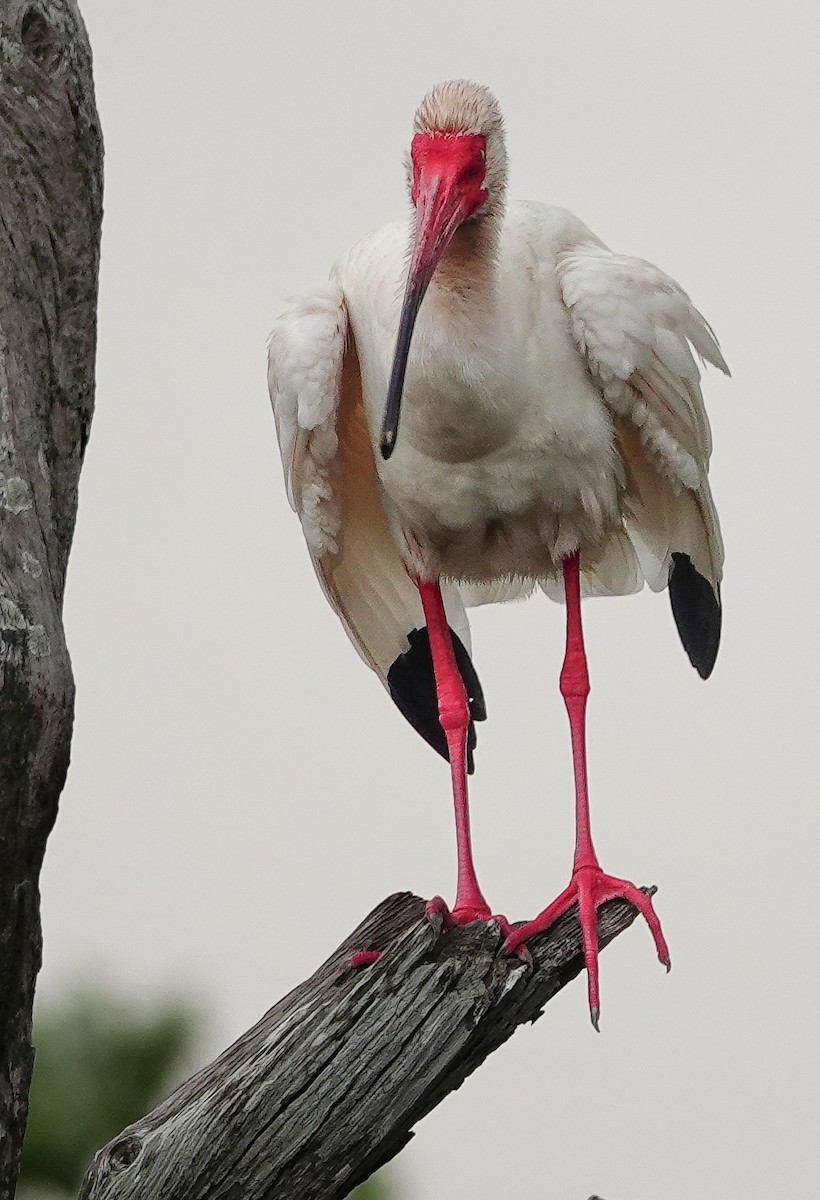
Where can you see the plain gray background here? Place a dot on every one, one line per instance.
(241, 791)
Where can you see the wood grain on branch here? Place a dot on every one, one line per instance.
(329, 1084)
(50, 214)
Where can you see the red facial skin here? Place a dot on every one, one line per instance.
(448, 187)
(458, 158)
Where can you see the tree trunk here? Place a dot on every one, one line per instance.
(329, 1084)
(50, 213)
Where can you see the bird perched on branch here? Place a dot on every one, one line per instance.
(528, 416)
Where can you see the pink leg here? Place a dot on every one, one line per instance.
(454, 715)
(589, 886)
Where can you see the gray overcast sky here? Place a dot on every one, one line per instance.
(241, 790)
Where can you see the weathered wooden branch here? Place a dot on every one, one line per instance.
(329, 1084)
(50, 213)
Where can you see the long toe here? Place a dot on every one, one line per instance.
(588, 916)
(543, 921)
(643, 902)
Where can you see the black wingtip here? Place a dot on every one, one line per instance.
(697, 612)
(387, 444)
(412, 685)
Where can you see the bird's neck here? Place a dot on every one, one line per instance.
(469, 265)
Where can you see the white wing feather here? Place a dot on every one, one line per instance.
(315, 388)
(634, 325)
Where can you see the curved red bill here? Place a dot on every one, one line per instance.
(448, 189)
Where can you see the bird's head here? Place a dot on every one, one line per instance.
(457, 153)
(457, 173)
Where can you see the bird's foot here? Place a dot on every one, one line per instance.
(465, 914)
(590, 888)
(437, 909)
(364, 958)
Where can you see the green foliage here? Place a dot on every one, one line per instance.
(98, 1066)
(374, 1189)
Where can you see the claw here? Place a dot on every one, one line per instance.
(436, 910)
(594, 1016)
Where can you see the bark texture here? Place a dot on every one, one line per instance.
(50, 213)
(329, 1084)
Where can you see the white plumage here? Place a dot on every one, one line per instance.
(331, 481)
(551, 402)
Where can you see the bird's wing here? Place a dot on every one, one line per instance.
(636, 329)
(332, 484)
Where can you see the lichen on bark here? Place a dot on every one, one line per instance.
(50, 214)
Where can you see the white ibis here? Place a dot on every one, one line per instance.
(529, 415)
